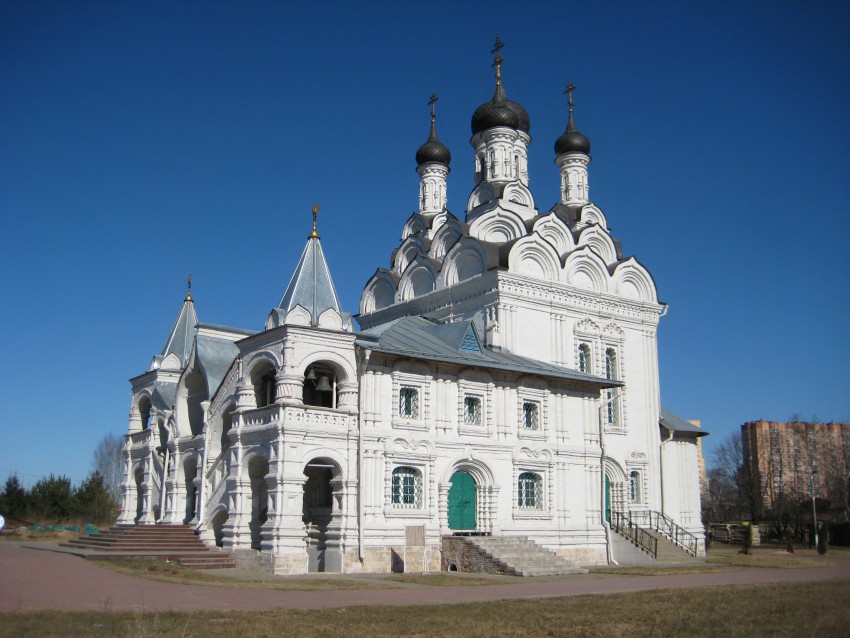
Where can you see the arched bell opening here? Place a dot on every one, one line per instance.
(322, 514)
(264, 380)
(145, 409)
(258, 468)
(321, 385)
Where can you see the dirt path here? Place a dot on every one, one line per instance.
(33, 579)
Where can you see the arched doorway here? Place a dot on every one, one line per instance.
(218, 520)
(190, 472)
(463, 501)
(258, 467)
(321, 516)
(140, 494)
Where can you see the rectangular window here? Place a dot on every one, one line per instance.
(530, 415)
(472, 410)
(408, 403)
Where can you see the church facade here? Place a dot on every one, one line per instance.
(503, 382)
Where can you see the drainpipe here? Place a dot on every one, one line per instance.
(360, 506)
(605, 524)
(661, 466)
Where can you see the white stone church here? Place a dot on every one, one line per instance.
(503, 383)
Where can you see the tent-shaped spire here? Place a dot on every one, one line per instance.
(311, 286)
(182, 335)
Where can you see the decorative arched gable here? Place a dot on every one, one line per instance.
(632, 281)
(191, 392)
(599, 242)
(481, 194)
(418, 279)
(171, 362)
(379, 292)
(298, 316)
(330, 318)
(585, 269)
(466, 259)
(440, 219)
(533, 256)
(592, 214)
(517, 193)
(415, 225)
(553, 230)
(445, 238)
(498, 226)
(407, 252)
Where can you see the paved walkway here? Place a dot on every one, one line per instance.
(33, 579)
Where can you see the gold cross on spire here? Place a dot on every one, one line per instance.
(431, 103)
(313, 233)
(189, 290)
(569, 93)
(497, 61)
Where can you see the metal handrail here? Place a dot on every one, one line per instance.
(623, 523)
(663, 524)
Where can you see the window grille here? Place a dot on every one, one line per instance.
(407, 488)
(408, 403)
(584, 358)
(612, 373)
(634, 487)
(529, 491)
(472, 410)
(530, 416)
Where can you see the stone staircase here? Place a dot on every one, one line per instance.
(521, 556)
(152, 542)
(638, 536)
(627, 552)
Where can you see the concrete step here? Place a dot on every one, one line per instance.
(522, 556)
(153, 542)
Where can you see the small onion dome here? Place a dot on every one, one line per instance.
(572, 141)
(433, 150)
(500, 111)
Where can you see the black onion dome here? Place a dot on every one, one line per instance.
(500, 111)
(572, 141)
(433, 150)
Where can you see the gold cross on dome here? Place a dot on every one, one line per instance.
(497, 61)
(569, 93)
(314, 233)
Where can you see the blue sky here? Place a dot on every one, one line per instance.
(141, 141)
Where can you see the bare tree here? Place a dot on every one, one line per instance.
(108, 460)
(738, 481)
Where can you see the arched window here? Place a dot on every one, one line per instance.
(584, 358)
(529, 491)
(407, 488)
(634, 487)
(611, 372)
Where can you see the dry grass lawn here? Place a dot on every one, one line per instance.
(800, 609)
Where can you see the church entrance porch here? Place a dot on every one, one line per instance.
(463, 501)
(321, 514)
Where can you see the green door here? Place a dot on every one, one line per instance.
(462, 501)
(607, 499)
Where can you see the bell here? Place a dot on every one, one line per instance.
(324, 384)
(311, 375)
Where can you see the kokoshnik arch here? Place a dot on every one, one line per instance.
(504, 382)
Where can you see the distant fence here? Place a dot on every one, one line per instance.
(732, 533)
